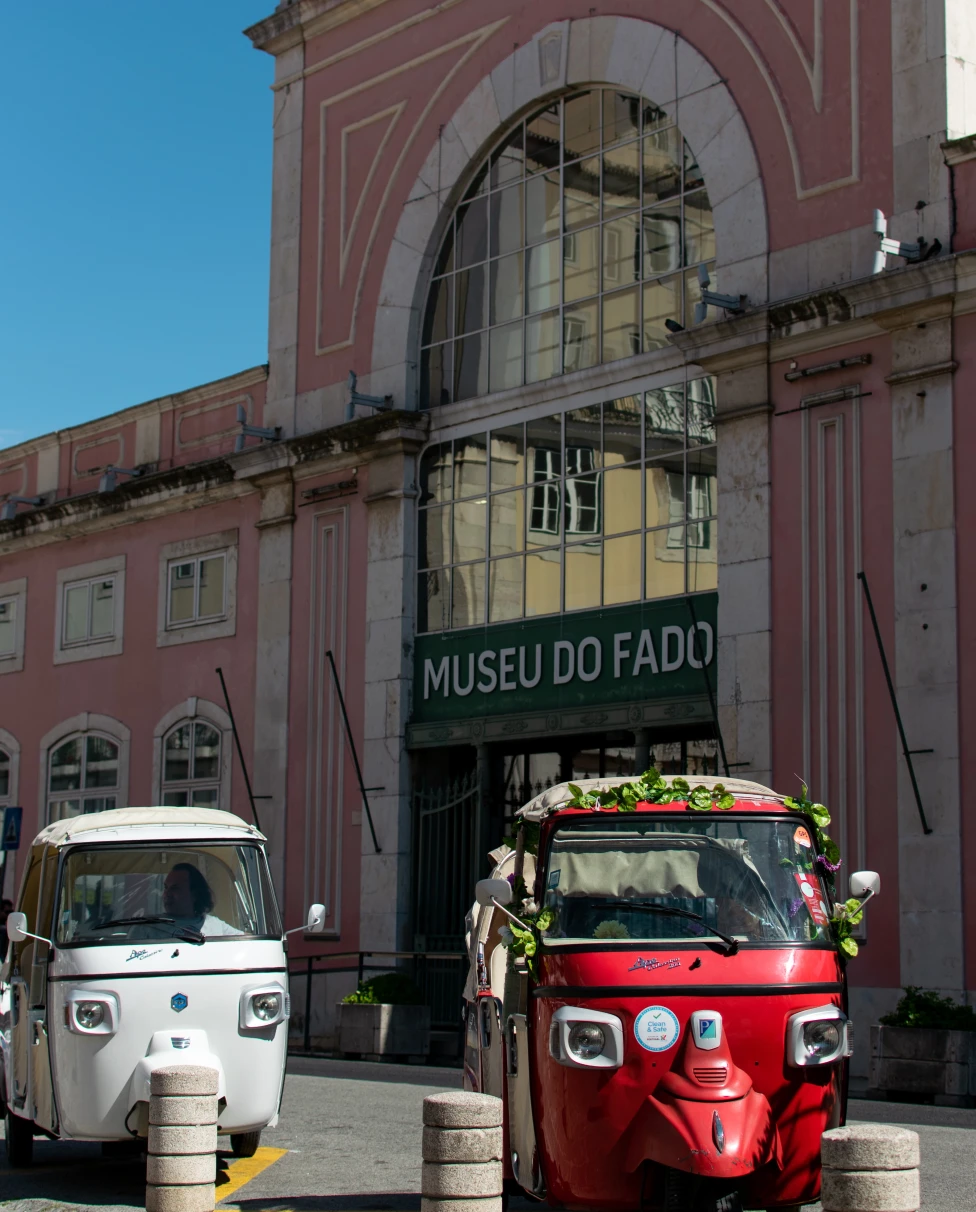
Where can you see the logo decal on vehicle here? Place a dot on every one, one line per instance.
(141, 953)
(656, 1028)
(706, 1028)
(651, 964)
(179, 1002)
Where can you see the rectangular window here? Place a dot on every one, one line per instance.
(8, 626)
(88, 611)
(196, 589)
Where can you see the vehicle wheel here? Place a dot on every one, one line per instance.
(244, 1144)
(19, 1135)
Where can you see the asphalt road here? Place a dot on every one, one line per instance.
(349, 1141)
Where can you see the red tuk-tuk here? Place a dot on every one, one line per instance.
(658, 996)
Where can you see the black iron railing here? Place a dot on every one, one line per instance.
(439, 975)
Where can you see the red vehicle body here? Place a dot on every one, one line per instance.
(727, 1122)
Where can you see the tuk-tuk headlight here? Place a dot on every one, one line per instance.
(818, 1037)
(586, 1039)
(263, 1007)
(89, 1012)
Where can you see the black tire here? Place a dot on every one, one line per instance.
(245, 1144)
(19, 1140)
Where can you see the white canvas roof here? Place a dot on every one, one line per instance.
(547, 801)
(145, 823)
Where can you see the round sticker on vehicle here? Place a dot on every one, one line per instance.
(656, 1028)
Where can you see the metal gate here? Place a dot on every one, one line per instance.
(446, 824)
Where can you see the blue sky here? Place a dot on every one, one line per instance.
(136, 204)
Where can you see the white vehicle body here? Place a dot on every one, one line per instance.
(164, 996)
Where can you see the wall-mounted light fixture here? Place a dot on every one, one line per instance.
(253, 431)
(9, 510)
(383, 403)
(710, 298)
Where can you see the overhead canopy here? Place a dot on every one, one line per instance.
(553, 798)
(190, 821)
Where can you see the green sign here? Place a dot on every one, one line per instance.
(626, 654)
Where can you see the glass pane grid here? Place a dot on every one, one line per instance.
(598, 506)
(602, 182)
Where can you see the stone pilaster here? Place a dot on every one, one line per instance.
(270, 773)
(925, 656)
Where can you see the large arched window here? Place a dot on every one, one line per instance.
(191, 765)
(578, 238)
(83, 776)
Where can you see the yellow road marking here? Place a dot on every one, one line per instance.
(244, 1169)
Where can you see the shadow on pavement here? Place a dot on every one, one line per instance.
(398, 1201)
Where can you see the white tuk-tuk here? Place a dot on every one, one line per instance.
(143, 937)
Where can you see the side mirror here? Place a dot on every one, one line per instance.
(486, 891)
(316, 919)
(865, 884)
(17, 927)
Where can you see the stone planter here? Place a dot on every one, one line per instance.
(921, 1063)
(383, 1031)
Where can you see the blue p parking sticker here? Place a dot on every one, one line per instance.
(656, 1028)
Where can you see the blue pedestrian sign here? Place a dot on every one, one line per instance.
(10, 835)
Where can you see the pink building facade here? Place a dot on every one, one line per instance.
(500, 218)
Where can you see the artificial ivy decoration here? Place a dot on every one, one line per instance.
(651, 788)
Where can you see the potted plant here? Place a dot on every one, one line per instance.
(385, 1017)
(925, 1051)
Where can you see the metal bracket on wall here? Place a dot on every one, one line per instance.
(352, 749)
(708, 686)
(926, 828)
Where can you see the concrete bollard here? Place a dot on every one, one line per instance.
(870, 1168)
(462, 1152)
(182, 1162)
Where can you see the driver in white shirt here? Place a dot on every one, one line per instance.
(188, 898)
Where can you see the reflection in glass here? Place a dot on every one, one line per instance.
(507, 457)
(505, 367)
(584, 444)
(76, 614)
(582, 124)
(664, 491)
(622, 178)
(581, 264)
(542, 276)
(472, 232)
(435, 376)
(542, 145)
(176, 757)
(621, 336)
(694, 178)
(66, 766)
(664, 419)
(211, 587)
(182, 581)
(664, 563)
(621, 252)
(583, 576)
(621, 117)
(542, 346)
(433, 600)
(470, 465)
(101, 762)
(662, 301)
(471, 366)
(622, 569)
(544, 442)
(545, 513)
(581, 336)
(470, 292)
(469, 530)
(702, 556)
(206, 752)
(542, 576)
(622, 499)
(468, 595)
(435, 537)
(662, 239)
(507, 162)
(505, 589)
(622, 420)
(506, 288)
(4, 773)
(507, 233)
(662, 165)
(8, 634)
(581, 514)
(701, 411)
(439, 323)
(541, 207)
(435, 474)
(699, 228)
(581, 204)
(507, 522)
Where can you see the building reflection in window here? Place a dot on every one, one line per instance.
(597, 506)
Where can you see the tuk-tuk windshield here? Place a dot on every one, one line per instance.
(116, 894)
(659, 879)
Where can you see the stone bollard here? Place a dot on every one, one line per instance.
(182, 1162)
(462, 1152)
(870, 1168)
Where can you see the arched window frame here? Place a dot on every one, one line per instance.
(11, 747)
(86, 723)
(188, 712)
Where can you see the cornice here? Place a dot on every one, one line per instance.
(305, 19)
(958, 151)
